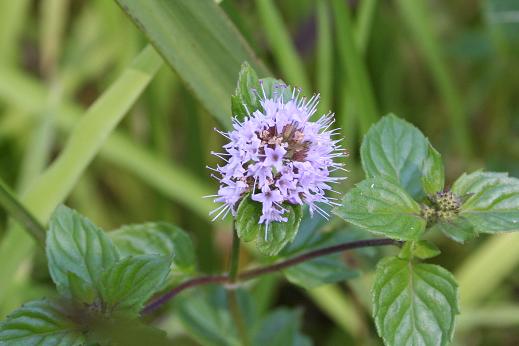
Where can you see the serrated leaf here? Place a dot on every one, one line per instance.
(322, 270)
(40, 322)
(74, 244)
(272, 239)
(476, 181)
(281, 328)
(458, 229)
(382, 207)
(493, 202)
(433, 179)
(245, 99)
(159, 238)
(396, 149)
(129, 283)
(414, 304)
(422, 249)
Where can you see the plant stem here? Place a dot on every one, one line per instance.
(16, 210)
(253, 273)
(232, 296)
(235, 256)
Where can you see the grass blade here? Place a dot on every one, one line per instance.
(282, 47)
(89, 135)
(170, 179)
(356, 71)
(200, 43)
(415, 14)
(12, 19)
(16, 210)
(497, 258)
(324, 56)
(367, 9)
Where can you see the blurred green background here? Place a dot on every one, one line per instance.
(449, 67)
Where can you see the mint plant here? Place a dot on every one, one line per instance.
(279, 169)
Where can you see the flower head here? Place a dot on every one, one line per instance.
(278, 155)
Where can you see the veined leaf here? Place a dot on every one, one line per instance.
(396, 149)
(272, 238)
(245, 99)
(433, 179)
(129, 283)
(382, 207)
(159, 238)
(459, 229)
(414, 304)
(42, 323)
(76, 245)
(200, 43)
(493, 201)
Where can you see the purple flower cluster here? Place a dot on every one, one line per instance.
(279, 156)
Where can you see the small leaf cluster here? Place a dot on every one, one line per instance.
(103, 280)
(403, 197)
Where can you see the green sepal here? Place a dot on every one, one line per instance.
(272, 238)
(245, 99)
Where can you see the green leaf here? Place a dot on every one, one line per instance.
(76, 245)
(200, 43)
(40, 322)
(129, 283)
(159, 238)
(395, 149)
(281, 44)
(318, 272)
(81, 291)
(272, 87)
(281, 328)
(459, 229)
(205, 315)
(247, 218)
(272, 239)
(382, 207)
(433, 179)
(493, 201)
(414, 304)
(245, 99)
(422, 249)
(322, 270)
